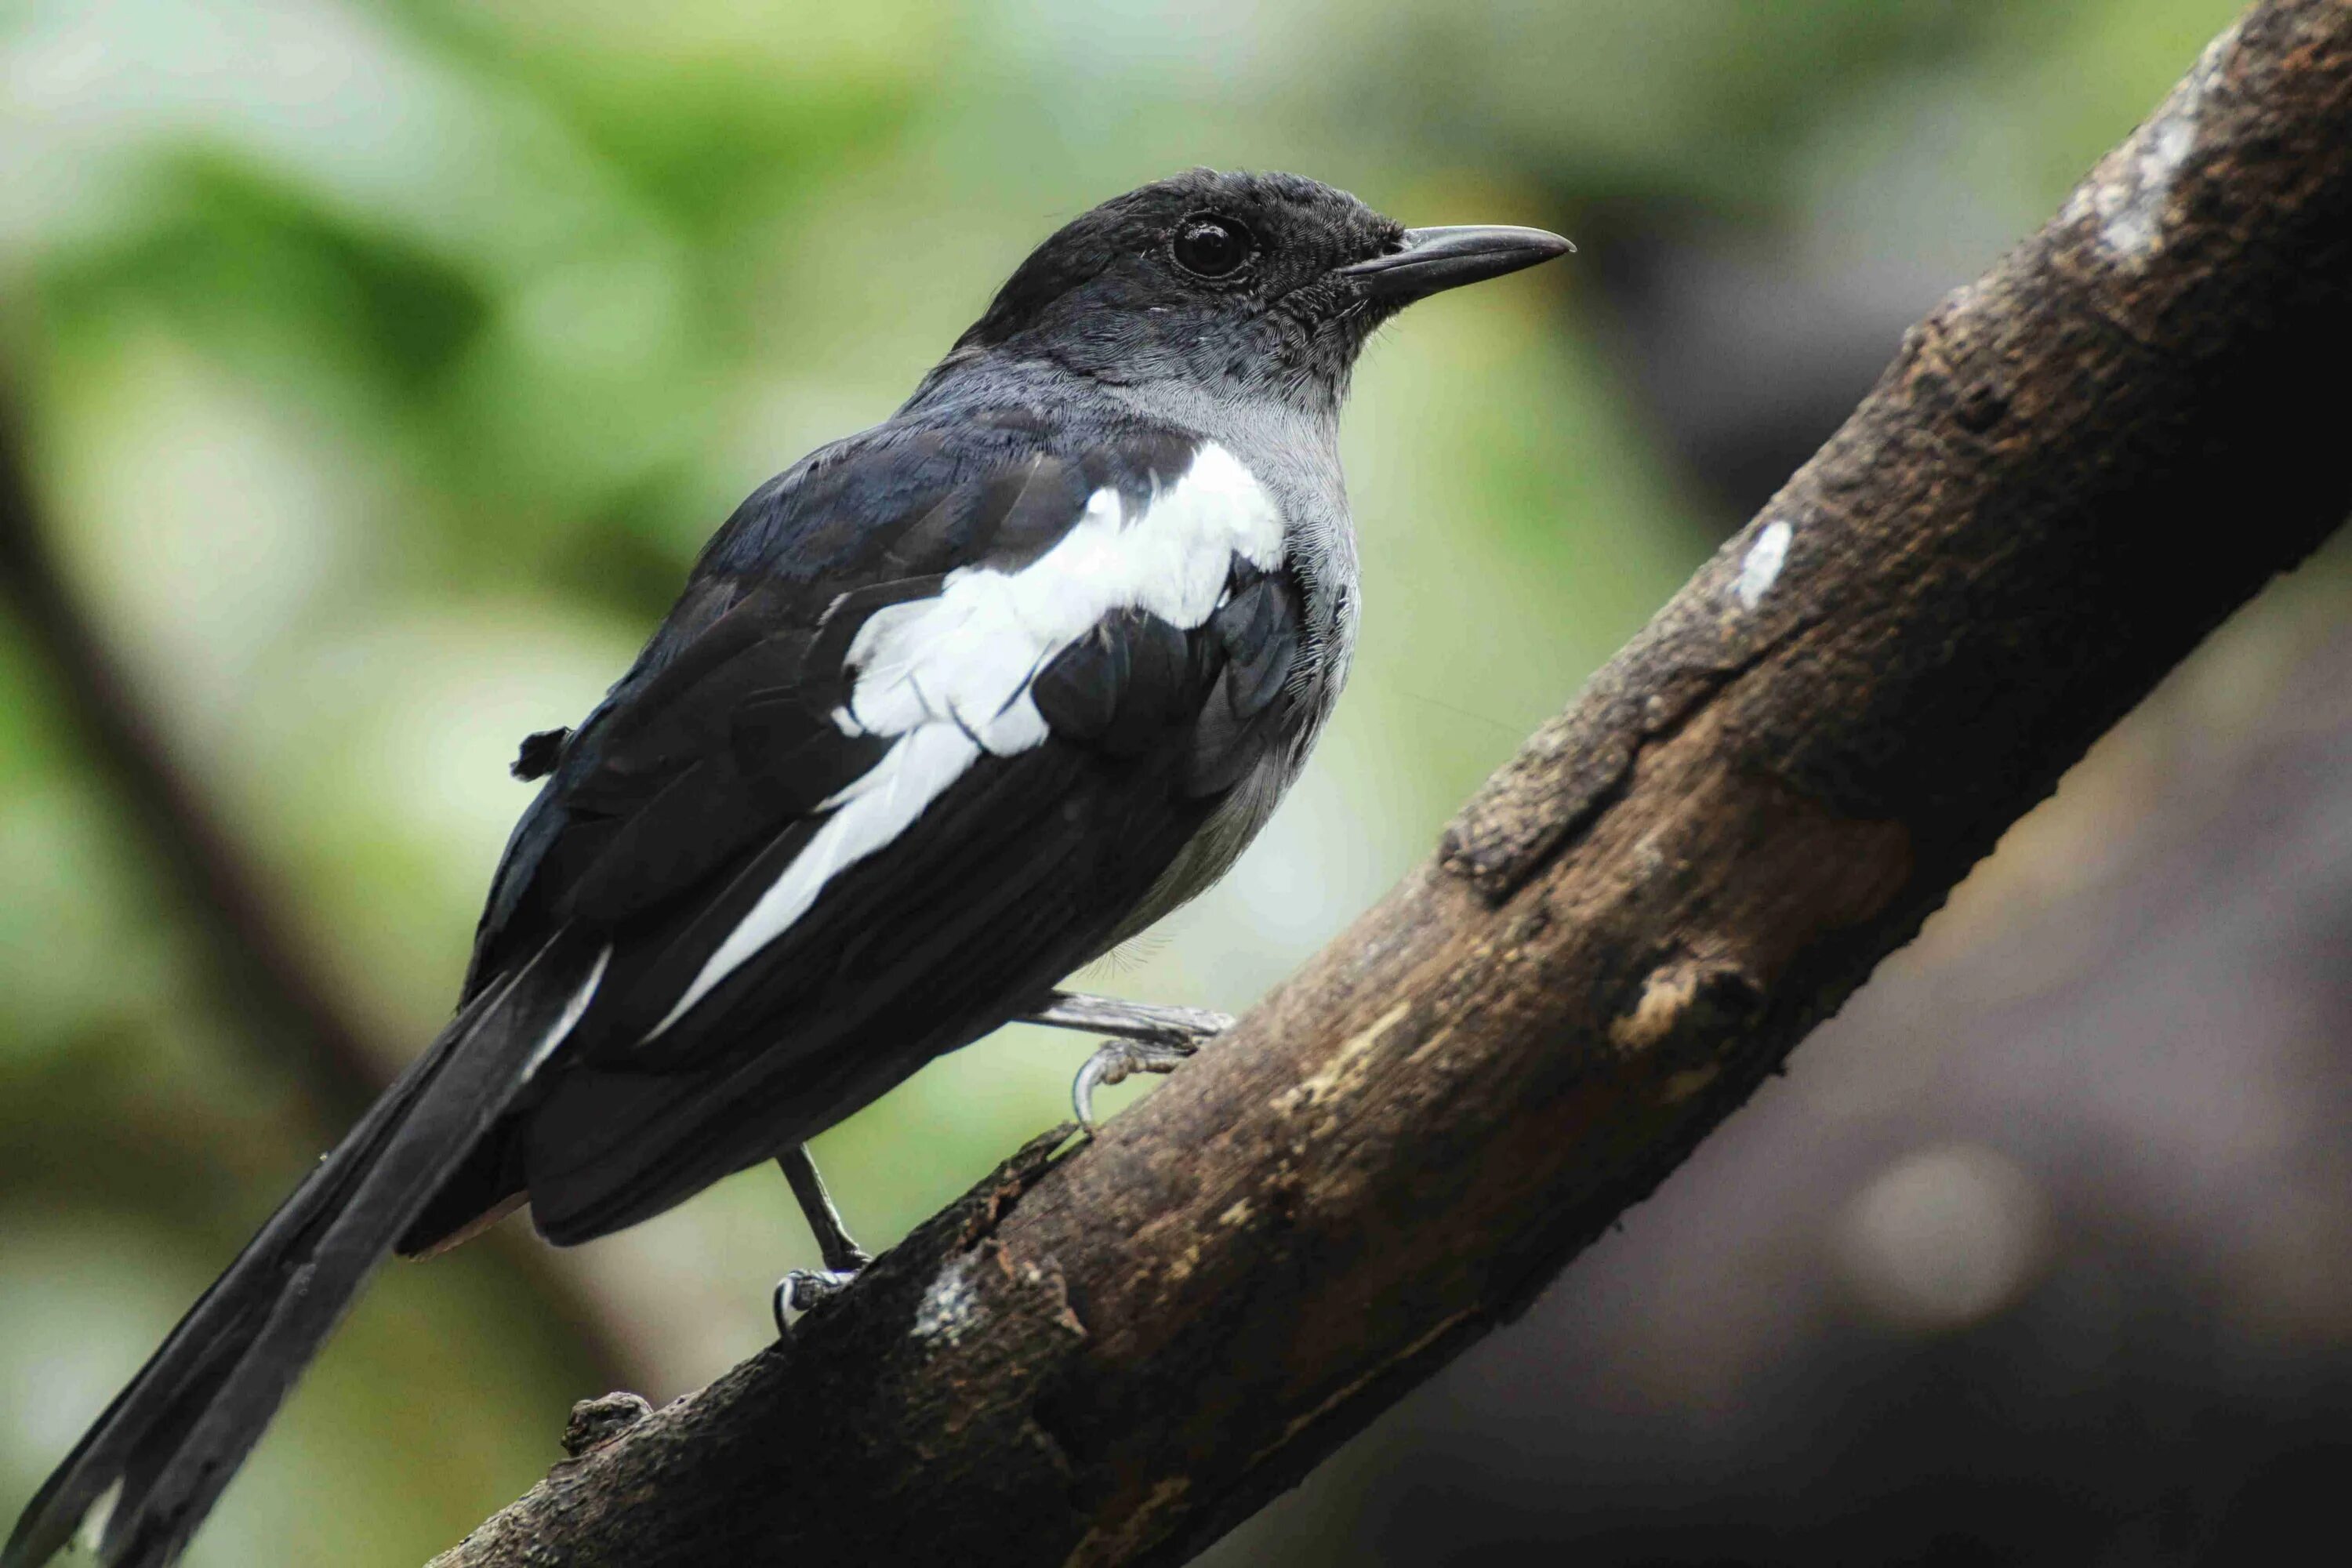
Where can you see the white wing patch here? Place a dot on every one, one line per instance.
(569, 1019)
(950, 674)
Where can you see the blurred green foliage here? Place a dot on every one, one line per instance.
(385, 366)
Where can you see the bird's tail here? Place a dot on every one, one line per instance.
(170, 1442)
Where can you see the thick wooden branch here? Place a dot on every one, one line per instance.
(2075, 467)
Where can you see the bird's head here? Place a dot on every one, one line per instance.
(1236, 284)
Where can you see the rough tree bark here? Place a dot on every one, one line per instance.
(2074, 467)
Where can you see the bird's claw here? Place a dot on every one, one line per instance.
(802, 1288)
(1115, 1062)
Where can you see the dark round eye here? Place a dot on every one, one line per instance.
(1212, 247)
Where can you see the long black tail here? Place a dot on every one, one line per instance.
(171, 1440)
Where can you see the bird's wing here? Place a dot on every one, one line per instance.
(926, 728)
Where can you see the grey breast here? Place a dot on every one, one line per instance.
(1294, 454)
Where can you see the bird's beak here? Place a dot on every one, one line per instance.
(1428, 260)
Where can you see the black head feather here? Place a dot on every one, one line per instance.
(1217, 278)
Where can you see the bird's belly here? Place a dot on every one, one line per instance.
(1229, 829)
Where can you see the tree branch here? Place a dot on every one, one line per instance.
(2075, 467)
(260, 969)
(260, 972)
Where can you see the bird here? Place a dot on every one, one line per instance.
(946, 710)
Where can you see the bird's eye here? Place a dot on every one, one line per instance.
(1210, 247)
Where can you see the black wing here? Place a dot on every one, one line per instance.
(714, 769)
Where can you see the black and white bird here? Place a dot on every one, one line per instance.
(947, 710)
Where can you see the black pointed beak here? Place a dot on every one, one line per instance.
(1429, 260)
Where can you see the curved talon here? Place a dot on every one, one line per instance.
(803, 1289)
(1115, 1062)
(1108, 1065)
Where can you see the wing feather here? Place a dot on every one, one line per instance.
(844, 817)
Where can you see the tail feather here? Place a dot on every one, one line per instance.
(171, 1440)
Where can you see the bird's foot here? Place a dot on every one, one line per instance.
(1148, 1039)
(1148, 1021)
(1115, 1062)
(802, 1288)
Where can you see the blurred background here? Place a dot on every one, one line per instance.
(376, 370)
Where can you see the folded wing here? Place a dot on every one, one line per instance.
(875, 788)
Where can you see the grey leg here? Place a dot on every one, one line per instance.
(805, 1288)
(1129, 1020)
(1145, 1038)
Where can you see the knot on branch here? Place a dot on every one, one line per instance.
(1687, 1008)
(596, 1422)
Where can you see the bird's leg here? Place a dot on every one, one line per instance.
(805, 1288)
(1145, 1038)
(1128, 1020)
